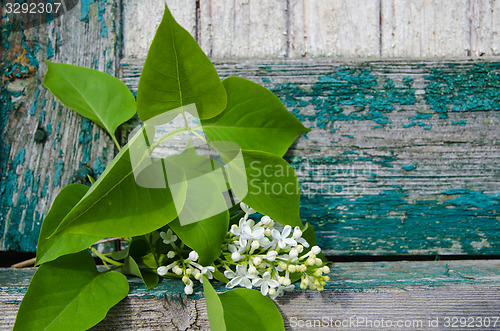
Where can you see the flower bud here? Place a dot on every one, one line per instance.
(282, 265)
(177, 270)
(188, 271)
(162, 271)
(287, 282)
(316, 250)
(252, 270)
(171, 254)
(272, 291)
(271, 256)
(266, 220)
(185, 279)
(299, 248)
(291, 268)
(188, 289)
(318, 262)
(236, 256)
(256, 260)
(326, 269)
(247, 209)
(193, 256)
(255, 244)
(267, 232)
(293, 253)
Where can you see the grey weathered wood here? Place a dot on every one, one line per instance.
(425, 28)
(406, 291)
(32, 172)
(335, 28)
(485, 28)
(416, 172)
(141, 19)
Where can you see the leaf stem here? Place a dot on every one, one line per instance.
(105, 258)
(116, 142)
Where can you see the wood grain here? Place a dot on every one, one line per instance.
(141, 19)
(410, 292)
(334, 28)
(45, 145)
(403, 157)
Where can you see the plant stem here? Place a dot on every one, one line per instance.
(105, 258)
(167, 136)
(116, 142)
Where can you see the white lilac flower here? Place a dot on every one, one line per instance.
(281, 290)
(248, 210)
(242, 277)
(235, 252)
(163, 270)
(282, 239)
(207, 271)
(265, 283)
(168, 237)
(249, 233)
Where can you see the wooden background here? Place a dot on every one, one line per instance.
(402, 96)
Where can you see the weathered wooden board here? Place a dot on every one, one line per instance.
(44, 145)
(336, 28)
(404, 157)
(410, 292)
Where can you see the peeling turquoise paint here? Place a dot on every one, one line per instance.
(347, 87)
(409, 167)
(473, 89)
(58, 172)
(34, 103)
(350, 225)
(50, 50)
(99, 164)
(85, 9)
(461, 123)
(84, 139)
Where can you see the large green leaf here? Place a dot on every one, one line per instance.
(215, 311)
(115, 206)
(254, 118)
(95, 95)
(49, 248)
(69, 294)
(177, 73)
(130, 267)
(242, 309)
(205, 237)
(273, 188)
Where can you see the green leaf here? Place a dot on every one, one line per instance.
(115, 206)
(205, 237)
(254, 118)
(177, 73)
(95, 95)
(67, 198)
(130, 267)
(273, 188)
(246, 309)
(215, 311)
(69, 294)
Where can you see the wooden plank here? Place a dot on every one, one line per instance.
(34, 168)
(243, 28)
(334, 28)
(417, 292)
(425, 28)
(141, 19)
(485, 27)
(403, 157)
